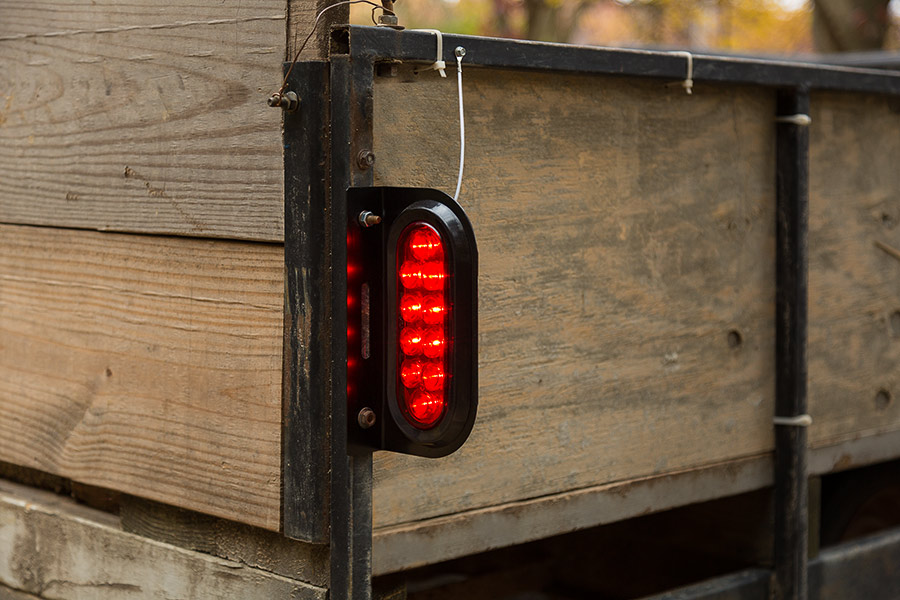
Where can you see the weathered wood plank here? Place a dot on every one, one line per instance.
(259, 548)
(59, 551)
(7, 593)
(142, 117)
(625, 235)
(468, 532)
(145, 364)
(854, 278)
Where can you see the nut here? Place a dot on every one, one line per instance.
(366, 418)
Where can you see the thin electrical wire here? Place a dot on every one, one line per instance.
(462, 128)
(313, 30)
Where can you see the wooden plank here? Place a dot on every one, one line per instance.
(142, 117)
(252, 546)
(864, 569)
(625, 235)
(410, 545)
(145, 364)
(7, 593)
(752, 584)
(59, 550)
(854, 280)
(22, 18)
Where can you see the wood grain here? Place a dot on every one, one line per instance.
(854, 280)
(145, 364)
(60, 551)
(624, 230)
(142, 117)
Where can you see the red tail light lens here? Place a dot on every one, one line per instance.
(423, 325)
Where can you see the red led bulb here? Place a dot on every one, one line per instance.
(411, 341)
(432, 376)
(433, 309)
(411, 372)
(412, 308)
(426, 408)
(411, 274)
(425, 244)
(433, 343)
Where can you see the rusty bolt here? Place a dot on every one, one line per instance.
(366, 418)
(367, 218)
(365, 159)
(288, 101)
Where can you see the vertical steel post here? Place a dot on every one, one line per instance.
(792, 213)
(306, 390)
(326, 492)
(351, 475)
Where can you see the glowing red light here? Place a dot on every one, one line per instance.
(433, 343)
(426, 407)
(411, 341)
(411, 274)
(411, 372)
(432, 376)
(433, 275)
(423, 325)
(412, 308)
(433, 309)
(425, 244)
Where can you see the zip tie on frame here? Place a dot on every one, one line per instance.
(438, 65)
(800, 119)
(688, 83)
(798, 421)
(460, 52)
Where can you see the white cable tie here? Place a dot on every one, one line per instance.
(800, 119)
(798, 421)
(688, 83)
(460, 52)
(438, 65)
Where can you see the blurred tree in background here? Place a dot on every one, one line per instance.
(756, 26)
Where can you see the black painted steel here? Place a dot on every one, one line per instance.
(372, 44)
(792, 214)
(351, 475)
(306, 425)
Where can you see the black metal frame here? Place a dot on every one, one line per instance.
(376, 44)
(791, 232)
(326, 495)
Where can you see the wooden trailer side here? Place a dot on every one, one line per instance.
(626, 241)
(146, 364)
(854, 268)
(626, 234)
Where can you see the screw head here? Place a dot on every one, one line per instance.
(459, 52)
(366, 418)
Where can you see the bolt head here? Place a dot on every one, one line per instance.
(460, 51)
(365, 159)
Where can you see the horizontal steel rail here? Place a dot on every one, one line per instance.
(373, 43)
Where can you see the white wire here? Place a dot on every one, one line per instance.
(462, 128)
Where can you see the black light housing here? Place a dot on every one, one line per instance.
(416, 248)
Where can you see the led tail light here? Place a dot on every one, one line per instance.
(412, 295)
(425, 337)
